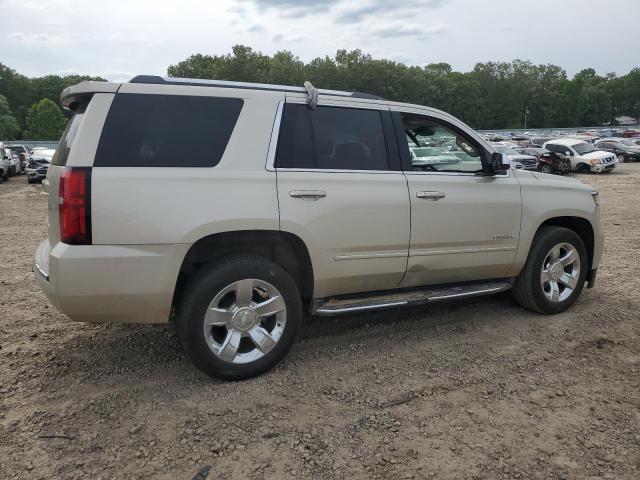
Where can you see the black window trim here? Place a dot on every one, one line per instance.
(405, 156)
(393, 154)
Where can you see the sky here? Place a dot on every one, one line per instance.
(118, 39)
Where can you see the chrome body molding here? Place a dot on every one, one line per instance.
(425, 253)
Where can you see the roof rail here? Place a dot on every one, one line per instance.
(158, 80)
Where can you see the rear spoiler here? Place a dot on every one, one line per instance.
(72, 96)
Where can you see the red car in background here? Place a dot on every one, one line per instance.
(548, 162)
(630, 133)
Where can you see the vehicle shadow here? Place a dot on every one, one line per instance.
(104, 350)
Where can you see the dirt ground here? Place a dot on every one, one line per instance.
(470, 390)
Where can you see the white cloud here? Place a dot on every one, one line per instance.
(130, 37)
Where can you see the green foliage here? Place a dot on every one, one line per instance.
(22, 92)
(8, 123)
(492, 95)
(45, 121)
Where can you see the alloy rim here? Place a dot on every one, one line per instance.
(560, 272)
(245, 321)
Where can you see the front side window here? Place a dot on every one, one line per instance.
(145, 130)
(331, 138)
(436, 147)
(583, 148)
(561, 149)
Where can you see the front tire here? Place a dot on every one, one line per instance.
(240, 317)
(554, 273)
(546, 169)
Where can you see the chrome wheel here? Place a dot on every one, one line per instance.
(546, 169)
(620, 158)
(244, 321)
(560, 272)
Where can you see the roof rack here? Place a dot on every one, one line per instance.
(158, 80)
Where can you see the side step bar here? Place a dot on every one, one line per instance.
(329, 307)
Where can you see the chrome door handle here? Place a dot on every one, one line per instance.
(430, 195)
(308, 194)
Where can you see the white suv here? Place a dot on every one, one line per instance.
(232, 208)
(584, 156)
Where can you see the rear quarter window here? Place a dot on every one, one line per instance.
(145, 130)
(69, 134)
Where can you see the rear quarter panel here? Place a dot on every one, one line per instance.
(172, 205)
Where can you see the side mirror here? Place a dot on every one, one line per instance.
(499, 162)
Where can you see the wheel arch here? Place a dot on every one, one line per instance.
(285, 249)
(579, 225)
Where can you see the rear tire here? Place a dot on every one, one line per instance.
(551, 280)
(240, 317)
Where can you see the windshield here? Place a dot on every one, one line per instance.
(584, 147)
(505, 150)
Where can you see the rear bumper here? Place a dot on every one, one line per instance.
(110, 283)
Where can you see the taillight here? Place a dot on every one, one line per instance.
(75, 206)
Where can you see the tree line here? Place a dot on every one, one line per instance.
(30, 107)
(494, 95)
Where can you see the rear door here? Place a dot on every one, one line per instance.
(341, 190)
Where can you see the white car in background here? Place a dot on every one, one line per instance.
(584, 156)
(5, 162)
(424, 157)
(518, 160)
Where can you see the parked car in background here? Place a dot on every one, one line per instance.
(5, 162)
(540, 141)
(548, 162)
(45, 154)
(625, 150)
(38, 174)
(427, 158)
(13, 163)
(39, 165)
(528, 162)
(18, 149)
(584, 156)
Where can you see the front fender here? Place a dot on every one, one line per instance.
(546, 197)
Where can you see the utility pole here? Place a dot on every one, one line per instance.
(526, 112)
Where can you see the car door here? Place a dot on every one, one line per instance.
(465, 225)
(342, 192)
(607, 147)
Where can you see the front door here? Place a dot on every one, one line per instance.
(464, 225)
(341, 190)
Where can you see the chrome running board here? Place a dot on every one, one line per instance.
(330, 307)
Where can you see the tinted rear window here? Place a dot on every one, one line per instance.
(64, 145)
(166, 131)
(331, 138)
